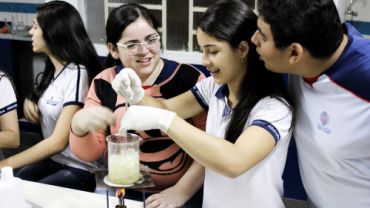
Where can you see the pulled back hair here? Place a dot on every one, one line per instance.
(67, 40)
(315, 24)
(121, 17)
(233, 21)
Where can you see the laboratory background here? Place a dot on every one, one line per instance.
(177, 31)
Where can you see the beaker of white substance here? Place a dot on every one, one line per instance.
(123, 158)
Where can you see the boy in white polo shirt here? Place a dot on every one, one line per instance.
(329, 63)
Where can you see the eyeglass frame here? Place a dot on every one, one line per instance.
(143, 43)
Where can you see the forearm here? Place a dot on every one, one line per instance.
(9, 130)
(210, 151)
(38, 152)
(89, 147)
(87, 141)
(185, 104)
(151, 101)
(49, 146)
(192, 180)
(9, 139)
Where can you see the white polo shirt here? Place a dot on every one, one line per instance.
(69, 87)
(262, 185)
(8, 100)
(332, 130)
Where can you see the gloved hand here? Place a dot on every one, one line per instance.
(146, 118)
(128, 85)
(91, 119)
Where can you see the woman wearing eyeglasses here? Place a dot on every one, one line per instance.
(134, 42)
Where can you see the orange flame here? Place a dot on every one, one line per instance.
(120, 192)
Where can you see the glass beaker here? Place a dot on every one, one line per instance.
(123, 158)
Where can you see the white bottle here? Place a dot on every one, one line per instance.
(11, 191)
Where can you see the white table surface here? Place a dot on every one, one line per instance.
(48, 196)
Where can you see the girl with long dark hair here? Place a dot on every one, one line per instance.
(58, 31)
(249, 120)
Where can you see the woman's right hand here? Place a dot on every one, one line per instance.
(127, 84)
(31, 111)
(91, 119)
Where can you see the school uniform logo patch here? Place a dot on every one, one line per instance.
(54, 100)
(324, 121)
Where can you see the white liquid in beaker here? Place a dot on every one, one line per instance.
(123, 168)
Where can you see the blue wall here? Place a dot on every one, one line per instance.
(6, 56)
(362, 27)
(18, 7)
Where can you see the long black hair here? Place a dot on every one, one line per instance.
(121, 17)
(67, 40)
(233, 21)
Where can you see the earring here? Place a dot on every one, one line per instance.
(243, 59)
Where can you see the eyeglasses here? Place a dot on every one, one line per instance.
(135, 48)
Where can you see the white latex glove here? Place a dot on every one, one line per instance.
(146, 118)
(91, 119)
(128, 85)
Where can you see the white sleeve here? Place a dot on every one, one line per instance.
(204, 90)
(272, 115)
(8, 100)
(76, 86)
